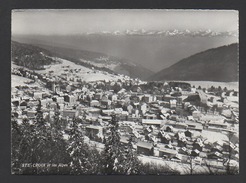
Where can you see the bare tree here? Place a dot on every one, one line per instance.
(228, 163)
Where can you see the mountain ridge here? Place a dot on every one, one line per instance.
(171, 32)
(215, 64)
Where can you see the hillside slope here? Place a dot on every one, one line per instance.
(100, 60)
(30, 56)
(44, 62)
(217, 64)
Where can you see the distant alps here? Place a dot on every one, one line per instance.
(173, 32)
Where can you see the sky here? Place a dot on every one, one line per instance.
(63, 22)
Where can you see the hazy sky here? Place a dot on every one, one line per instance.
(81, 21)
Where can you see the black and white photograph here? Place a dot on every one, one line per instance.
(124, 92)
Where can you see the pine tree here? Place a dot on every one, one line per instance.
(112, 149)
(225, 89)
(77, 150)
(128, 161)
(23, 146)
(16, 142)
(39, 114)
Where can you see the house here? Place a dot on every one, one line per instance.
(136, 136)
(136, 88)
(147, 98)
(94, 132)
(168, 98)
(126, 99)
(59, 99)
(219, 143)
(226, 113)
(207, 144)
(126, 128)
(198, 144)
(94, 103)
(46, 101)
(129, 109)
(179, 101)
(217, 148)
(151, 138)
(94, 112)
(155, 122)
(52, 105)
(113, 98)
(69, 113)
(68, 88)
(137, 113)
(179, 125)
(165, 138)
(169, 146)
(181, 139)
(38, 95)
(104, 98)
(166, 152)
(16, 101)
(105, 103)
(70, 99)
(32, 103)
(118, 111)
(107, 112)
(98, 96)
(23, 105)
(61, 105)
(182, 142)
(202, 96)
(31, 114)
(183, 150)
(196, 115)
(148, 130)
(217, 125)
(148, 115)
(123, 116)
(105, 118)
(214, 155)
(188, 133)
(228, 146)
(145, 148)
(159, 97)
(55, 87)
(177, 158)
(174, 117)
(169, 128)
(124, 140)
(194, 126)
(173, 103)
(134, 98)
(143, 108)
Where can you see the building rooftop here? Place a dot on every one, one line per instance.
(146, 145)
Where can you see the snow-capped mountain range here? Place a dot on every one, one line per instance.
(173, 32)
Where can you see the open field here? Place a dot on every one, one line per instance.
(18, 80)
(208, 84)
(85, 74)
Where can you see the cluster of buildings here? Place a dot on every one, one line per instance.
(169, 120)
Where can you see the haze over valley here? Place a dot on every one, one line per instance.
(152, 52)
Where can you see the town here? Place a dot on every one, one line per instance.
(169, 122)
